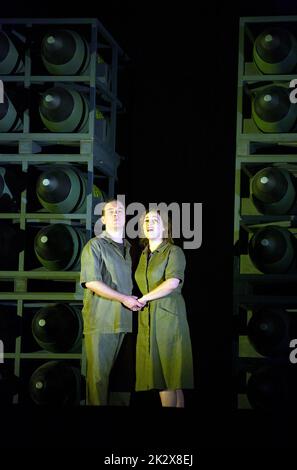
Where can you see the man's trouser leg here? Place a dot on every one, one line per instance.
(101, 352)
(119, 398)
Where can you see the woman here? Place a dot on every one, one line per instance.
(163, 351)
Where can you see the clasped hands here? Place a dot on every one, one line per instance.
(134, 303)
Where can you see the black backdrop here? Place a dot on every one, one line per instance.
(178, 135)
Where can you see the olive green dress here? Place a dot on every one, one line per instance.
(163, 350)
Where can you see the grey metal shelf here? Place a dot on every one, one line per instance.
(260, 137)
(44, 355)
(267, 19)
(261, 300)
(96, 154)
(47, 137)
(51, 218)
(50, 296)
(39, 216)
(267, 78)
(284, 158)
(37, 158)
(271, 278)
(252, 149)
(94, 22)
(262, 219)
(38, 79)
(45, 78)
(40, 273)
(95, 150)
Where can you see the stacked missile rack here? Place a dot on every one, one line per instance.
(258, 149)
(30, 148)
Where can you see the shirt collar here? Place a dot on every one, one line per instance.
(107, 237)
(160, 248)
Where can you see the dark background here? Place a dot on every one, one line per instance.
(178, 136)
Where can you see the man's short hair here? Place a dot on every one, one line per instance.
(107, 201)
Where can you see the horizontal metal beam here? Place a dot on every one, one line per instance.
(266, 78)
(50, 296)
(41, 273)
(266, 19)
(44, 158)
(43, 355)
(76, 21)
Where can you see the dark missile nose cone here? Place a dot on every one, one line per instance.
(273, 45)
(269, 245)
(51, 100)
(53, 186)
(268, 331)
(56, 104)
(58, 47)
(269, 185)
(54, 242)
(56, 328)
(272, 104)
(54, 383)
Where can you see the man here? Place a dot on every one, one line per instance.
(107, 278)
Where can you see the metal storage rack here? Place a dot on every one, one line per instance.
(94, 151)
(252, 288)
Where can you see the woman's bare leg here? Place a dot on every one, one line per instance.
(168, 398)
(180, 400)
